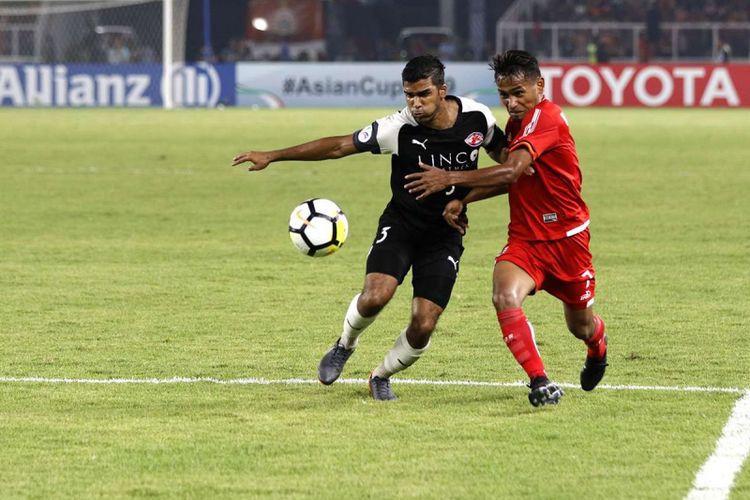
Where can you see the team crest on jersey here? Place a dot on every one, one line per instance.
(474, 139)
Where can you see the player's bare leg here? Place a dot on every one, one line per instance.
(363, 309)
(510, 286)
(408, 348)
(589, 327)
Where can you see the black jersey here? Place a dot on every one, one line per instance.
(455, 148)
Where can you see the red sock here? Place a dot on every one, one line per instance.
(518, 335)
(597, 348)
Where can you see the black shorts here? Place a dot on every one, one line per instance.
(432, 256)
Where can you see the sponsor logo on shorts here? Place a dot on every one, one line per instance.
(454, 262)
(547, 218)
(586, 296)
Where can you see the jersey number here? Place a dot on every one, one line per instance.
(383, 234)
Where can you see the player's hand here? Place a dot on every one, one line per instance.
(430, 180)
(259, 160)
(529, 170)
(454, 215)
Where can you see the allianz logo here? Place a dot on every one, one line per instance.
(54, 85)
(197, 85)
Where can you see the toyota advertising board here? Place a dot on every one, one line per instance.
(379, 84)
(674, 85)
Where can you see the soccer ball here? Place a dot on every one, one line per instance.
(318, 227)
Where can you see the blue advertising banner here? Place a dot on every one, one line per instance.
(124, 85)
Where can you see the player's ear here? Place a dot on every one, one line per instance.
(540, 85)
(443, 90)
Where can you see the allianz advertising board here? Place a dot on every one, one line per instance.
(103, 85)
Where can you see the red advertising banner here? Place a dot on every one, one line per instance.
(648, 85)
(290, 20)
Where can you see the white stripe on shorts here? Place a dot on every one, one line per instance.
(578, 229)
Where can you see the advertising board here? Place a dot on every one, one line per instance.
(379, 84)
(121, 85)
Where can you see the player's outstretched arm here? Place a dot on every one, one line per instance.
(431, 179)
(325, 148)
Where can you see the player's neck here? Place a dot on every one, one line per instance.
(446, 116)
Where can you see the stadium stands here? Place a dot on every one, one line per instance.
(388, 30)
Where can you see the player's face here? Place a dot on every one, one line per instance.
(519, 95)
(424, 99)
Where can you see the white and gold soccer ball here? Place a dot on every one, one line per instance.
(318, 227)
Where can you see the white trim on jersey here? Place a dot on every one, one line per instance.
(388, 128)
(468, 104)
(532, 124)
(578, 229)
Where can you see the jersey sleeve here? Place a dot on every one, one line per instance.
(381, 136)
(493, 135)
(540, 134)
(495, 140)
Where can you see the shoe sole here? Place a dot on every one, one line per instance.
(540, 398)
(537, 402)
(324, 382)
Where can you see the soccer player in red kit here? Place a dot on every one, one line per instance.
(548, 235)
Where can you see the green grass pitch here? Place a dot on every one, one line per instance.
(129, 248)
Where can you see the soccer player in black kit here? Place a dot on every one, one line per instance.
(434, 128)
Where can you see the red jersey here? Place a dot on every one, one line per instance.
(547, 205)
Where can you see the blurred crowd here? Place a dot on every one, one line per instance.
(447, 47)
(656, 40)
(633, 10)
(368, 35)
(379, 30)
(383, 30)
(105, 44)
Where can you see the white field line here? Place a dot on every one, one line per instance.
(301, 381)
(715, 478)
(712, 482)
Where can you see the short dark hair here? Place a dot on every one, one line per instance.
(421, 67)
(516, 64)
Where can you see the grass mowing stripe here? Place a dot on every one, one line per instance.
(396, 381)
(715, 478)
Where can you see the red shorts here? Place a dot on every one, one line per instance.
(561, 267)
